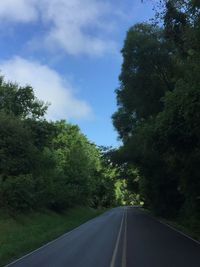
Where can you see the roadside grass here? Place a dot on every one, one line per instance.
(26, 232)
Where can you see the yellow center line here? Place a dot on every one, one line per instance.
(112, 264)
(125, 241)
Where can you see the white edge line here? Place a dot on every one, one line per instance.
(52, 241)
(172, 228)
(112, 264)
(178, 231)
(125, 241)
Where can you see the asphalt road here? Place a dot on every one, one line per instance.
(121, 237)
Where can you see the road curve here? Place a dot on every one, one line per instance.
(121, 237)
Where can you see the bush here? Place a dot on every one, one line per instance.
(17, 193)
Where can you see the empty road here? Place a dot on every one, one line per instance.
(121, 237)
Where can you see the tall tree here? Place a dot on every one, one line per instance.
(145, 77)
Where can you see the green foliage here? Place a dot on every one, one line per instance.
(124, 196)
(27, 232)
(145, 77)
(47, 164)
(20, 101)
(158, 111)
(106, 177)
(76, 160)
(17, 152)
(17, 193)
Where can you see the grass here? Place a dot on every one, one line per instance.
(25, 233)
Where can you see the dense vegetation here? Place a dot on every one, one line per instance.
(47, 164)
(158, 116)
(26, 232)
(52, 165)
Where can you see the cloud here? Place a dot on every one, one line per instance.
(18, 10)
(49, 86)
(77, 27)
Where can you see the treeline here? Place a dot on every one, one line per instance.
(158, 116)
(47, 164)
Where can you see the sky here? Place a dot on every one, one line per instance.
(69, 52)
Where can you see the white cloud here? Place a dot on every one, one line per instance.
(76, 26)
(18, 10)
(49, 86)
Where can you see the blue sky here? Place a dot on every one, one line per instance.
(69, 51)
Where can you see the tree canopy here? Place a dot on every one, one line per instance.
(47, 164)
(158, 109)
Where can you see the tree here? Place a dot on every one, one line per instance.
(159, 122)
(21, 165)
(145, 77)
(46, 164)
(20, 101)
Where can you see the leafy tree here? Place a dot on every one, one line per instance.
(17, 193)
(20, 101)
(46, 164)
(145, 77)
(106, 175)
(17, 151)
(159, 123)
(85, 175)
